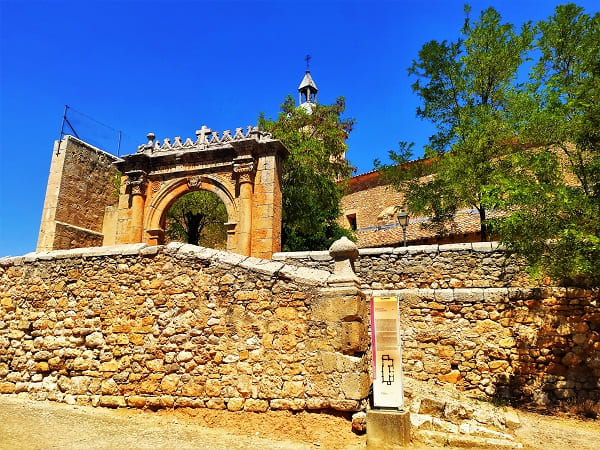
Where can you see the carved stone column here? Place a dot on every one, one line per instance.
(244, 169)
(136, 183)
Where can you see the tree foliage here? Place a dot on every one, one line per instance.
(198, 218)
(529, 150)
(553, 194)
(310, 189)
(466, 88)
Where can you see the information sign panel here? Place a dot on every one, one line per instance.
(388, 386)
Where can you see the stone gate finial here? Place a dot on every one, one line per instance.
(150, 145)
(344, 252)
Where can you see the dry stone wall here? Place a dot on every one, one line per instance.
(471, 317)
(179, 326)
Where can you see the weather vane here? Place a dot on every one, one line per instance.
(308, 57)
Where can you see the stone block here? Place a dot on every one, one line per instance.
(359, 422)
(339, 304)
(355, 386)
(112, 401)
(293, 404)
(256, 405)
(7, 388)
(292, 389)
(388, 428)
(109, 386)
(451, 377)
(345, 405)
(317, 403)
(235, 404)
(216, 403)
(170, 383)
(353, 338)
(213, 387)
(431, 405)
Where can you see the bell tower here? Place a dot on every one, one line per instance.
(308, 89)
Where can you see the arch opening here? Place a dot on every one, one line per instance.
(198, 218)
(157, 212)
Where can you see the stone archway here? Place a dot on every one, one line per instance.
(244, 170)
(161, 202)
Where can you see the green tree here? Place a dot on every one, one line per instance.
(311, 190)
(553, 193)
(198, 218)
(465, 87)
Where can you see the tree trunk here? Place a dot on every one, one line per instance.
(193, 224)
(484, 234)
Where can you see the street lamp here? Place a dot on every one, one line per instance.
(403, 221)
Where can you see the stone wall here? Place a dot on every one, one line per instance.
(79, 189)
(477, 264)
(471, 317)
(179, 326)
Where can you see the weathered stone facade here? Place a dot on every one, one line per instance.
(369, 207)
(79, 189)
(243, 170)
(88, 204)
(179, 326)
(472, 317)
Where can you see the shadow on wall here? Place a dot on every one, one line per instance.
(557, 343)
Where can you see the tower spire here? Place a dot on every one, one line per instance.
(308, 89)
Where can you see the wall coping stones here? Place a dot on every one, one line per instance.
(481, 246)
(323, 255)
(422, 249)
(375, 251)
(454, 247)
(313, 277)
(283, 255)
(470, 295)
(262, 266)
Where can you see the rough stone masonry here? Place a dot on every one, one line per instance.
(179, 326)
(471, 317)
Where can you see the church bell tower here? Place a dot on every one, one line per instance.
(307, 90)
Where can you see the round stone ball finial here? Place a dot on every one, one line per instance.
(150, 137)
(343, 248)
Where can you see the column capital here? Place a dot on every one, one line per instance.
(136, 181)
(244, 167)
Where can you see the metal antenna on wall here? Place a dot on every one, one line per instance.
(62, 129)
(65, 120)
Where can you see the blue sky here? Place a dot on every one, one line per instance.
(171, 67)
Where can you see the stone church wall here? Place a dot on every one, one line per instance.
(471, 317)
(80, 187)
(182, 326)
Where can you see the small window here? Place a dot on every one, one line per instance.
(352, 221)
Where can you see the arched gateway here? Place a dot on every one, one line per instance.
(244, 170)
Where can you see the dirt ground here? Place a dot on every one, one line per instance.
(26, 424)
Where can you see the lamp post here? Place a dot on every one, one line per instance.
(403, 221)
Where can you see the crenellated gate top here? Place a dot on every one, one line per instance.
(243, 169)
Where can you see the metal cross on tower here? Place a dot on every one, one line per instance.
(307, 59)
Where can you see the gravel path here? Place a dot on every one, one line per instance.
(26, 424)
(29, 424)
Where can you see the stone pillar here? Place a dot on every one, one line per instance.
(244, 168)
(136, 182)
(342, 307)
